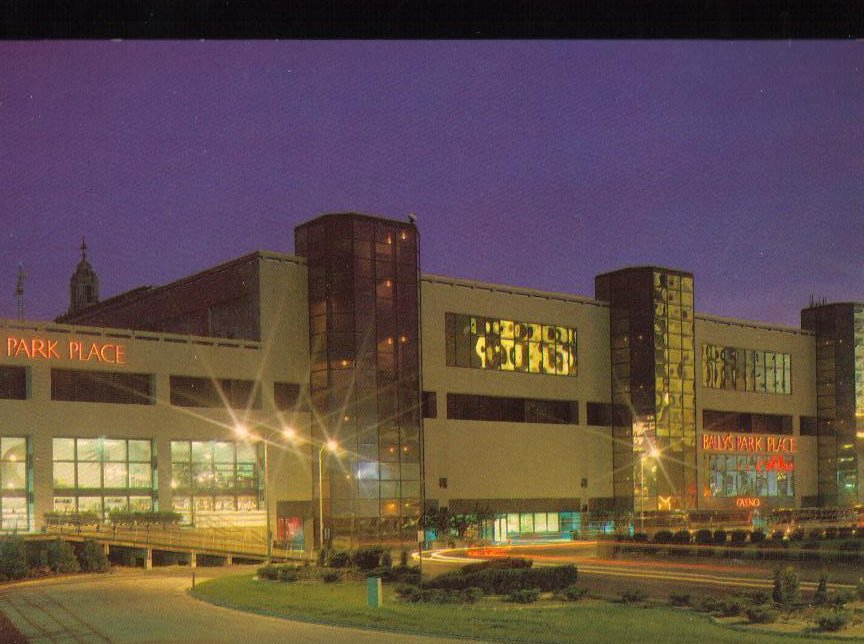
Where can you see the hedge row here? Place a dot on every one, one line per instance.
(365, 558)
(503, 581)
(20, 559)
(740, 537)
(120, 517)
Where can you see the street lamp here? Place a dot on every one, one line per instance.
(288, 433)
(654, 453)
(330, 446)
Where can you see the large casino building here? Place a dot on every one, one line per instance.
(220, 395)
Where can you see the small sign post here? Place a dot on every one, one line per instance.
(374, 593)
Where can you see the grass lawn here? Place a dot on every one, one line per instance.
(344, 604)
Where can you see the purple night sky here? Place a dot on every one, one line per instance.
(537, 164)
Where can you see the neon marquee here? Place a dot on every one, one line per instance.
(74, 350)
(746, 443)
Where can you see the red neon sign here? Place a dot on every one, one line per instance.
(75, 350)
(745, 443)
(748, 502)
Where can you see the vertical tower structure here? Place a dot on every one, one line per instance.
(365, 372)
(84, 285)
(839, 330)
(653, 390)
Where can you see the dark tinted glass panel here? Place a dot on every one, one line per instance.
(517, 410)
(286, 395)
(101, 386)
(808, 426)
(189, 391)
(599, 414)
(13, 383)
(747, 423)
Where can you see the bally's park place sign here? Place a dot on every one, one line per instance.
(72, 350)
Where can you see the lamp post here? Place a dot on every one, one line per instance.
(330, 446)
(654, 453)
(288, 433)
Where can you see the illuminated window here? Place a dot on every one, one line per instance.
(14, 511)
(750, 475)
(746, 369)
(213, 476)
(508, 345)
(102, 475)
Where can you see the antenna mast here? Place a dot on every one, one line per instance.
(19, 291)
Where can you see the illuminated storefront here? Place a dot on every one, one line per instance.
(742, 468)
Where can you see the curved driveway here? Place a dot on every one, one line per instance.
(130, 605)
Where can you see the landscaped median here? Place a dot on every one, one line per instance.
(534, 606)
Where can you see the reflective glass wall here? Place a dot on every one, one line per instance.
(365, 377)
(653, 361)
(839, 330)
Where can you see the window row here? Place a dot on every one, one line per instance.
(102, 463)
(516, 410)
(78, 385)
(508, 345)
(745, 422)
(746, 369)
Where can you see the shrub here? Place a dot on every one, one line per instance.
(284, 573)
(331, 576)
(633, 596)
(366, 558)
(37, 557)
(61, 557)
(324, 556)
(833, 620)
(679, 599)
(840, 598)
(503, 562)
(720, 537)
(501, 581)
(524, 596)
(757, 536)
(404, 556)
(845, 532)
(815, 534)
(408, 593)
(640, 537)
(92, 557)
(777, 536)
(571, 594)
(859, 533)
(663, 536)
(797, 534)
(682, 536)
(733, 607)
(13, 558)
(786, 587)
(705, 537)
(759, 597)
(830, 533)
(472, 594)
(710, 604)
(339, 559)
(820, 597)
(761, 614)
(738, 537)
(412, 594)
